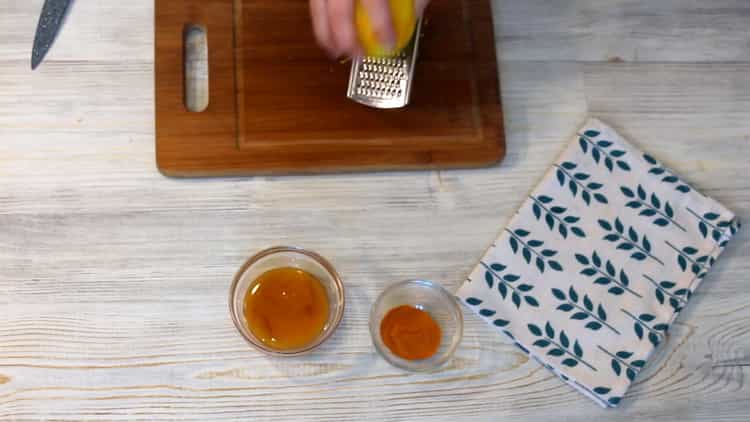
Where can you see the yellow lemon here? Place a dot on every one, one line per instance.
(404, 18)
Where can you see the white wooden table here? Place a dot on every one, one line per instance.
(113, 279)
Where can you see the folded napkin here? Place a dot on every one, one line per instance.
(595, 266)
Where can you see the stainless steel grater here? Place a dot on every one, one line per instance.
(385, 82)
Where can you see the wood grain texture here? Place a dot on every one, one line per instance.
(274, 106)
(113, 279)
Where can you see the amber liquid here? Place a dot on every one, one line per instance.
(286, 308)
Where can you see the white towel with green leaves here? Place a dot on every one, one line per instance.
(591, 272)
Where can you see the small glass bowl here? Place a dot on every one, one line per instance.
(285, 257)
(431, 298)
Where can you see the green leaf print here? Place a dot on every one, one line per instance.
(559, 294)
(487, 312)
(621, 364)
(577, 349)
(498, 267)
(651, 208)
(545, 199)
(602, 151)
(638, 330)
(555, 265)
(689, 250)
(588, 304)
(530, 250)
(616, 367)
(654, 338)
(573, 294)
(549, 330)
(500, 322)
(531, 301)
(570, 362)
(689, 258)
(617, 284)
(540, 264)
(602, 390)
(583, 311)
(513, 244)
(666, 175)
(564, 341)
(556, 352)
(489, 279)
(642, 327)
(542, 343)
(594, 326)
(577, 182)
(525, 287)
(666, 293)
(506, 284)
(527, 256)
(555, 217)
(559, 344)
(669, 210)
(639, 248)
(711, 224)
(516, 298)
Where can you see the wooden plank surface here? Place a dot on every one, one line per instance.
(273, 107)
(113, 279)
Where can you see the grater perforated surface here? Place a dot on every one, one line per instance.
(385, 82)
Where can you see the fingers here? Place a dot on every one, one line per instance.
(420, 5)
(379, 12)
(341, 23)
(322, 28)
(334, 25)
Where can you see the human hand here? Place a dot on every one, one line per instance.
(333, 23)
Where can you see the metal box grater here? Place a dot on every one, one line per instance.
(385, 82)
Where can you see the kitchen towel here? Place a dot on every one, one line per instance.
(598, 262)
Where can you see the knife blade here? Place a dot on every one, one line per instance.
(50, 21)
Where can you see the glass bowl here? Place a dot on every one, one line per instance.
(431, 298)
(279, 257)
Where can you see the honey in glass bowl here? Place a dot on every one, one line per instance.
(286, 308)
(286, 301)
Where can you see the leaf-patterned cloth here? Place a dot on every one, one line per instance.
(591, 272)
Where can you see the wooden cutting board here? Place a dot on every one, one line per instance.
(277, 104)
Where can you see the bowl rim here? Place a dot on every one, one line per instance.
(404, 363)
(329, 268)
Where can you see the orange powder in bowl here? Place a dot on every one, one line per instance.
(410, 333)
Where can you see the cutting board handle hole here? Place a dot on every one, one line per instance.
(196, 78)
